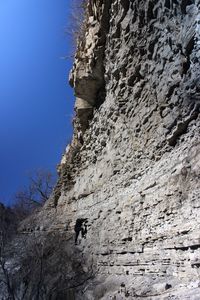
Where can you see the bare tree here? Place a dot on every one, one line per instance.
(76, 26)
(36, 193)
(40, 266)
(5, 276)
(22, 278)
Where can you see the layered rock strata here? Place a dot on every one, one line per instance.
(133, 168)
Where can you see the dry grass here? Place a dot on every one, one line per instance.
(77, 24)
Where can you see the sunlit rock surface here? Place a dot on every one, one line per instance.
(133, 167)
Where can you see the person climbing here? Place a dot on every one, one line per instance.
(84, 233)
(81, 225)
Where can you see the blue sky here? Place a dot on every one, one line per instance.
(36, 102)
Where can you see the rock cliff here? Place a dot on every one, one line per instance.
(133, 166)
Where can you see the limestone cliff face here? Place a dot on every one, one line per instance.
(133, 167)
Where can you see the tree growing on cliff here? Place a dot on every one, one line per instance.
(35, 194)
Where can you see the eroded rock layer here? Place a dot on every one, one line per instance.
(133, 168)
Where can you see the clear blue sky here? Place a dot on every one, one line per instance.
(36, 102)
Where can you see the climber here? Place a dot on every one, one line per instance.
(81, 225)
(80, 136)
